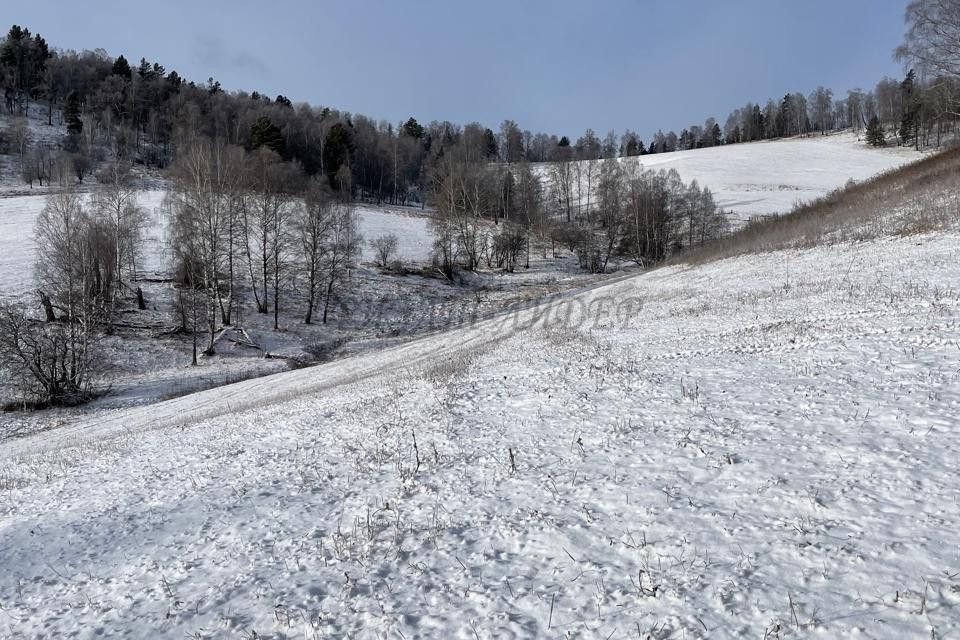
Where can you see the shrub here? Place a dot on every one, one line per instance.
(385, 248)
(47, 362)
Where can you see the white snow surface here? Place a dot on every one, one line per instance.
(768, 448)
(17, 248)
(18, 218)
(414, 238)
(769, 177)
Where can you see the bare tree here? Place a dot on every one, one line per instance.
(266, 226)
(889, 102)
(341, 248)
(54, 360)
(63, 252)
(329, 243)
(463, 192)
(201, 217)
(314, 222)
(39, 165)
(561, 178)
(385, 247)
(511, 142)
(529, 197)
(821, 101)
(508, 246)
(18, 133)
(610, 201)
(114, 203)
(932, 39)
(46, 362)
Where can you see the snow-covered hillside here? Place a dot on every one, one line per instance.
(768, 447)
(762, 178)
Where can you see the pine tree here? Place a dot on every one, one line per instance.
(875, 133)
(266, 134)
(412, 128)
(122, 68)
(71, 114)
(336, 152)
(907, 126)
(715, 135)
(490, 144)
(23, 59)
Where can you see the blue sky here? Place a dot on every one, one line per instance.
(553, 66)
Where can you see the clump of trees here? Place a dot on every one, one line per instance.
(251, 222)
(85, 255)
(331, 243)
(598, 208)
(242, 223)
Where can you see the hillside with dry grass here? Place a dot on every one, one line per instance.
(919, 197)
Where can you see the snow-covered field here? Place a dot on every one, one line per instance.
(768, 448)
(762, 178)
(17, 249)
(414, 238)
(18, 215)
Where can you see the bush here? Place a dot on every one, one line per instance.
(508, 246)
(568, 236)
(589, 255)
(385, 248)
(47, 362)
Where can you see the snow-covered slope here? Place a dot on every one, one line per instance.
(767, 447)
(761, 178)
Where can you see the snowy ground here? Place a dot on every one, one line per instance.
(145, 363)
(414, 239)
(768, 448)
(761, 178)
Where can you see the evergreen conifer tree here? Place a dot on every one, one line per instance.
(122, 68)
(875, 133)
(490, 144)
(336, 152)
(266, 134)
(412, 128)
(71, 114)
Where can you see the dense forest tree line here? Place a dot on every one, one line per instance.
(136, 112)
(914, 110)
